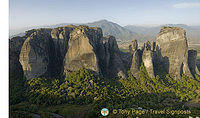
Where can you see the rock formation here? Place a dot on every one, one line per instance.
(114, 65)
(168, 54)
(136, 58)
(60, 37)
(148, 59)
(52, 52)
(35, 53)
(59, 51)
(82, 50)
(15, 68)
(173, 47)
(146, 55)
(192, 54)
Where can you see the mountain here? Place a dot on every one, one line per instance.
(126, 33)
(110, 28)
(150, 33)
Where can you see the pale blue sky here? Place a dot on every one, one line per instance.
(24, 13)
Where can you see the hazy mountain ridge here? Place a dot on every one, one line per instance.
(126, 33)
(149, 33)
(110, 28)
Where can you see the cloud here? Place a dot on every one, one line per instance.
(186, 5)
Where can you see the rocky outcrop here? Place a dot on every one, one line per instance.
(146, 56)
(113, 62)
(51, 52)
(43, 52)
(83, 49)
(168, 55)
(148, 59)
(35, 53)
(173, 49)
(60, 37)
(15, 68)
(134, 46)
(136, 58)
(192, 54)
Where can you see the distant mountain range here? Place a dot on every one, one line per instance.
(110, 28)
(149, 33)
(129, 32)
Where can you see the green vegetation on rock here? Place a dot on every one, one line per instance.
(86, 91)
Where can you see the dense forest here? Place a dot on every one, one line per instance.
(85, 93)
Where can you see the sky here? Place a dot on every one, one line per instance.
(27, 13)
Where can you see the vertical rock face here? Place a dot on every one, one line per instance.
(192, 54)
(148, 58)
(43, 52)
(134, 46)
(114, 65)
(168, 55)
(82, 51)
(52, 52)
(35, 52)
(60, 37)
(136, 58)
(172, 44)
(15, 68)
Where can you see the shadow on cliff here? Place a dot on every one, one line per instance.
(126, 58)
(160, 63)
(198, 64)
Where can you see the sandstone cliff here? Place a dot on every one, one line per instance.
(168, 54)
(114, 65)
(173, 47)
(148, 59)
(59, 51)
(15, 68)
(60, 37)
(192, 54)
(82, 50)
(35, 53)
(136, 58)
